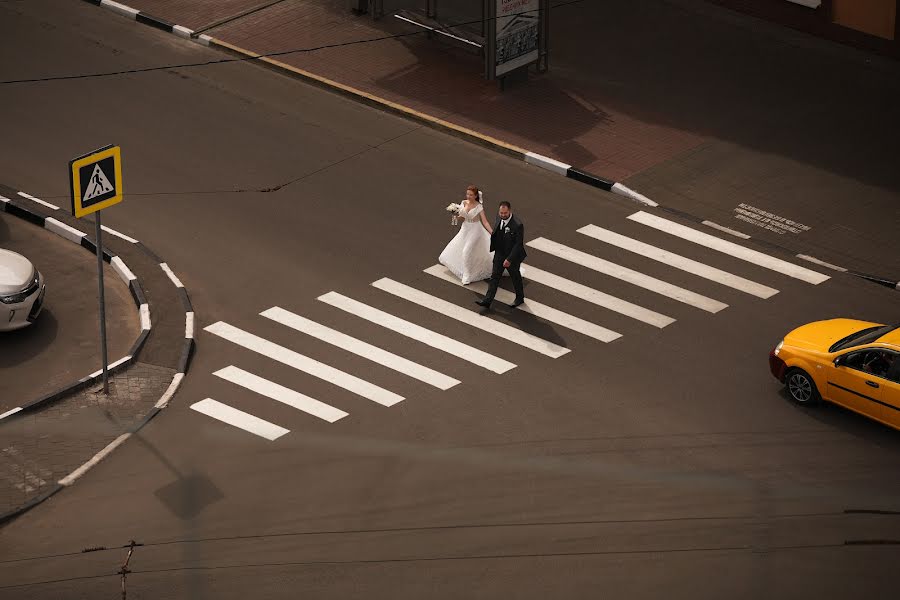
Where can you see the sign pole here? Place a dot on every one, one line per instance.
(95, 183)
(102, 303)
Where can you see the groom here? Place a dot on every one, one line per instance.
(508, 246)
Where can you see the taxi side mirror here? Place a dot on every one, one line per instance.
(838, 361)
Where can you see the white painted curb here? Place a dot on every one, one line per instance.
(122, 269)
(63, 230)
(71, 477)
(620, 189)
(125, 11)
(560, 168)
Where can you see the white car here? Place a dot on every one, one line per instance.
(21, 291)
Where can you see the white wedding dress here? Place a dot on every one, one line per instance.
(468, 255)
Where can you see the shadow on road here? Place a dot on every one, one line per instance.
(24, 344)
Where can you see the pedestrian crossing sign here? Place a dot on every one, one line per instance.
(95, 180)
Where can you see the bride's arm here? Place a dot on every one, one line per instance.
(487, 225)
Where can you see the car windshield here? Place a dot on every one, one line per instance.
(864, 336)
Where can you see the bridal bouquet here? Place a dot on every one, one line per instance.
(454, 209)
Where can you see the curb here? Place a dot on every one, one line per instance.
(470, 135)
(137, 293)
(134, 285)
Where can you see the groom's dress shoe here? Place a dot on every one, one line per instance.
(517, 302)
(484, 303)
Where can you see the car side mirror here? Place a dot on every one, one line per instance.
(838, 361)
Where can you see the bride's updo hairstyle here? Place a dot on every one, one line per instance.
(476, 191)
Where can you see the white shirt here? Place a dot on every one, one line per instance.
(503, 223)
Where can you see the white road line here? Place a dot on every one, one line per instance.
(679, 262)
(418, 333)
(821, 263)
(272, 390)
(304, 363)
(38, 200)
(542, 311)
(729, 248)
(240, 419)
(189, 325)
(360, 348)
(469, 317)
(117, 234)
(597, 297)
(633, 277)
(733, 232)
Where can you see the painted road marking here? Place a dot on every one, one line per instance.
(597, 297)
(418, 333)
(304, 363)
(240, 419)
(678, 261)
(38, 200)
(277, 392)
(537, 309)
(469, 317)
(729, 248)
(631, 276)
(360, 348)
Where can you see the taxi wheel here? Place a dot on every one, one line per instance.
(801, 387)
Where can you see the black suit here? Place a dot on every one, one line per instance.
(507, 243)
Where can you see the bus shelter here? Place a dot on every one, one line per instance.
(510, 35)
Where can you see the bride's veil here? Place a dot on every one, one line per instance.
(480, 197)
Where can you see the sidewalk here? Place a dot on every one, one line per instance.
(47, 438)
(700, 108)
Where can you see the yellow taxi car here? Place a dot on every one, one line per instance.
(852, 363)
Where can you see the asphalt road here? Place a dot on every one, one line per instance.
(665, 462)
(63, 345)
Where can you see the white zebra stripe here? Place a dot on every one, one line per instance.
(729, 248)
(277, 392)
(240, 419)
(469, 317)
(597, 297)
(679, 262)
(360, 348)
(304, 363)
(418, 333)
(641, 280)
(542, 311)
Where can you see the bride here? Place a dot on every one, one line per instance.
(468, 255)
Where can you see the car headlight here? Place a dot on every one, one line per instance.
(778, 347)
(21, 296)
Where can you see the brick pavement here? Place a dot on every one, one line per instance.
(444, 82)
(40, 448)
